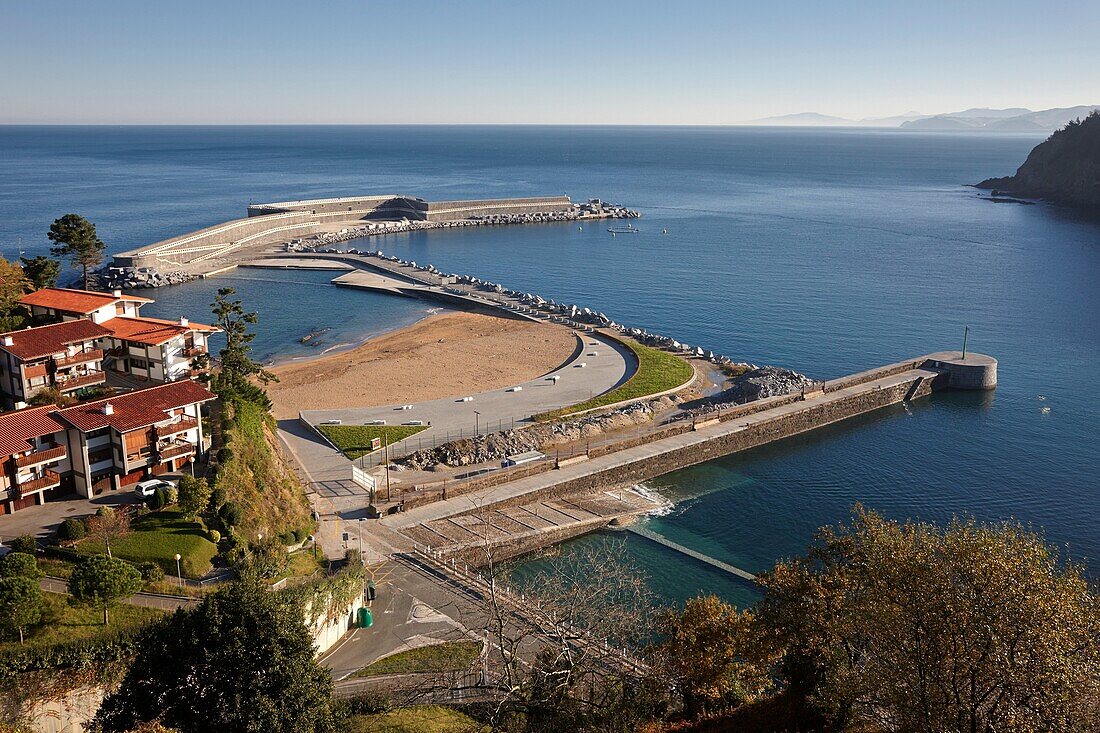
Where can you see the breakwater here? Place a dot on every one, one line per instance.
(327, 220)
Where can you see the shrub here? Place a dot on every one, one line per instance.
(105, 511)
(151, 572)
(301, 534)
(230, 514)
(19, 565)
(215, 536)
(268, 558)
(171, 495)
(217, 499)
(71, 530)
(156, 501)
(24, 543)
(287, 537)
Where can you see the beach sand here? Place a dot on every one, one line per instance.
(444, 355)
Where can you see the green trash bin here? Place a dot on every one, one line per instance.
(366, 619)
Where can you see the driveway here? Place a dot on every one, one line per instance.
(42, 521)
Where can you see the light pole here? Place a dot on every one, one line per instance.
(359, 527)
(179, 575)
(477, 428)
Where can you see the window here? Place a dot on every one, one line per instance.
(106, 453)
(139, 364)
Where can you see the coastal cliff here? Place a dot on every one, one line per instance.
(1064, 169)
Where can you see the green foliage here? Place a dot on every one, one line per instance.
(237, 365)
(75, 240)
(157, 501)
(103, 582)
(452, 656)
(658, 371)
(242, 660)
(151, 572)
(194, 496)
(71, 530)
(51, 396)
(40, 272)
(327, 597)
(20, 603)
(354, 440)
(158, 537)
(415, 719)
(20, 565)
(24, 543)
(171, 495)
(230, 514)
(214, 535)
(12, 288)
(267, 558)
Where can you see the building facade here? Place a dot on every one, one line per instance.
(34, 463)
(64, 356)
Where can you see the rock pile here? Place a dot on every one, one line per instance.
(133, 278)
(757, 383)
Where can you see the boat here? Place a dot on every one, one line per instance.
(628, 229)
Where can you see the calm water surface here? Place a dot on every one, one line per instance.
(827, 251)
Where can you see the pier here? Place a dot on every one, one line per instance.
(726, 567)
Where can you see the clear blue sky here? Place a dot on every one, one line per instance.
(524, 61)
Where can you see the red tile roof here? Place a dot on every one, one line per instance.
(136, 409)
(152, 331)
(18, 427)
(34, 343)
(71, 300)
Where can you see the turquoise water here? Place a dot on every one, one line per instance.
(827, 251)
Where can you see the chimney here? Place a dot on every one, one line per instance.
(184, 322)
(7, 341)
(117, 293)
(108, 408)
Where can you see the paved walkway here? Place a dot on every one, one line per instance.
(148, 600)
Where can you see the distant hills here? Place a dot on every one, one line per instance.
(1014, 119)
(1064, 169)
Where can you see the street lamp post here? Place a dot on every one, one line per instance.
(179, 575)
(477, 428)
(359, 527)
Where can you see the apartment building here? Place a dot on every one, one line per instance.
(33, 458)
(67, 304)
(66, 356)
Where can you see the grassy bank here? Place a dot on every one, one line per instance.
(256, 477)
(158, 537)
(451, 656)
(355, 440)
(417, 719)
(63, 622)
(658, 371)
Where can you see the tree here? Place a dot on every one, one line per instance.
(103, 581)
(911, 627)
(108, 524)
(12, 288)
(71, 530)
(237, 366)
(21, 604)
(708, 648)
(40, 272)
(51, 396)
(194, 496)
(242, 660)
(20, 565)
(76, 240)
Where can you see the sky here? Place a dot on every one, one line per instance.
(532, 62)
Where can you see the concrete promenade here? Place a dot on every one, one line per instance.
(589, 472)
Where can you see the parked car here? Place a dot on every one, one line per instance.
(145, 489)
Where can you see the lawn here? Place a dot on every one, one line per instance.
(63, 622)
(658, 371)
(354, 440)
(157, 537)
(450, 656)
(416, 719)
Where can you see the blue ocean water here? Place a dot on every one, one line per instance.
(827, 251)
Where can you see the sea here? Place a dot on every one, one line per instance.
(824, 250)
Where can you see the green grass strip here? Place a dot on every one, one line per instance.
(658, 371)
(451, 656)
(354, 440)
(157, 537)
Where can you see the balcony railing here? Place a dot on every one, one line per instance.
(49, 480)
(193, 351)
(66, 383)
(79, 357)
(174, 450)
(45, 455)
(180, 426)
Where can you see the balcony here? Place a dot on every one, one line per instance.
(56, 453)
(180, 426)
(174, 450)
(79, 357)
(192, 351)
(49, 480)
(67, 383)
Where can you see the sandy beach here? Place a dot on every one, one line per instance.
(447, 354)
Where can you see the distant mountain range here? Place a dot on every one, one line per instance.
(1015, 119)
